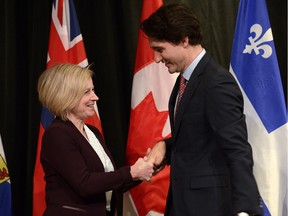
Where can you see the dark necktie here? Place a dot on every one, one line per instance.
(182, 87)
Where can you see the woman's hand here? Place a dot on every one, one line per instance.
(142, 170)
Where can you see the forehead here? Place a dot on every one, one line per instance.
(89, 83)
(155, 44)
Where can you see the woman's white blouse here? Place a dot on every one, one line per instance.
(108, 166)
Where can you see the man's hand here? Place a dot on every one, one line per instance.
(157, 153)
(156, 156)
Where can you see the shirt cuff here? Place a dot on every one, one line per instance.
(242, 214)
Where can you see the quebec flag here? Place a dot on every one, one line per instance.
(5, 186)
(254, 65)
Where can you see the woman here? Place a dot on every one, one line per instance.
(80, 174)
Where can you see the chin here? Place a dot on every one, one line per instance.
(171, 72)
(89, 115)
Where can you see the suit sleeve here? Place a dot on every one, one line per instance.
(224, 104)
(168, 143)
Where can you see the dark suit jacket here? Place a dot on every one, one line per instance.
(211, 159)
(75, 179)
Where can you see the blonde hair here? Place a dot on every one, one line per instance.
(61, 87)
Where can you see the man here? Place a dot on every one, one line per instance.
(210, 157)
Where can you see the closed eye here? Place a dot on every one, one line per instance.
(159, 50)
(87, 91)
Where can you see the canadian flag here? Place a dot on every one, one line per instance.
(149, 120)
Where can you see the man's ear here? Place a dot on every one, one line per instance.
(185, 41)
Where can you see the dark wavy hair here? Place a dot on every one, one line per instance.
(172, 23)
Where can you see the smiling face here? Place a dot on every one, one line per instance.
(173, 56)
(85, 107)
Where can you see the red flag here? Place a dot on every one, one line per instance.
(65, 45)
(149, 119)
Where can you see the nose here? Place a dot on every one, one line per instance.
(157, 57)
(94, 97)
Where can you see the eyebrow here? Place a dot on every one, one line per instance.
(157, 47)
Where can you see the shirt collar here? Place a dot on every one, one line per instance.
(189, 70)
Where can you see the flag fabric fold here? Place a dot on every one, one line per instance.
(5, 185)
(254, 64)
(149, 120)
(65, 46)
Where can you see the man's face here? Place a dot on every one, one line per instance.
(173, 56)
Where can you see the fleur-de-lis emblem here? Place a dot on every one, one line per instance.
(257, 42)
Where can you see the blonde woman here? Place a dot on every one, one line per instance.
(80, 174)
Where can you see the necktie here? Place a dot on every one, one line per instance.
(181, 90)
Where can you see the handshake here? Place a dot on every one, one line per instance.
(150, 165)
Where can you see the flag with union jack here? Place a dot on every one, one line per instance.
(149, 119)
(255, 66)
(65, 45)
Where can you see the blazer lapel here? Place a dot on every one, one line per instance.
(187, 95)
(172, 102)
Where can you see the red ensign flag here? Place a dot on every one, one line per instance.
(65, 45)
(149, 120)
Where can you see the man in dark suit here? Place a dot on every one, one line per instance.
(210, 157)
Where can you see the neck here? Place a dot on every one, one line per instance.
(193, 53)
(79, 124)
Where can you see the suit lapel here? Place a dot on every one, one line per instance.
(187, 95)
(172, 101)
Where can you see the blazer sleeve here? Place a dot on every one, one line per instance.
(224, 108)
(75, 161)
(126, 186)
(168, 143)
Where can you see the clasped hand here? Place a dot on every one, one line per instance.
(142, 170)
(151, 164)
(156, 156)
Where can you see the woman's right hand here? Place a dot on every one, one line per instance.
(142, 170)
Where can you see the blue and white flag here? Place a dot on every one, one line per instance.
(254, 64)
(5, 186)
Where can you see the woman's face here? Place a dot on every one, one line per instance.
(85, 107)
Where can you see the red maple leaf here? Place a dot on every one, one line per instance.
(146, 126)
